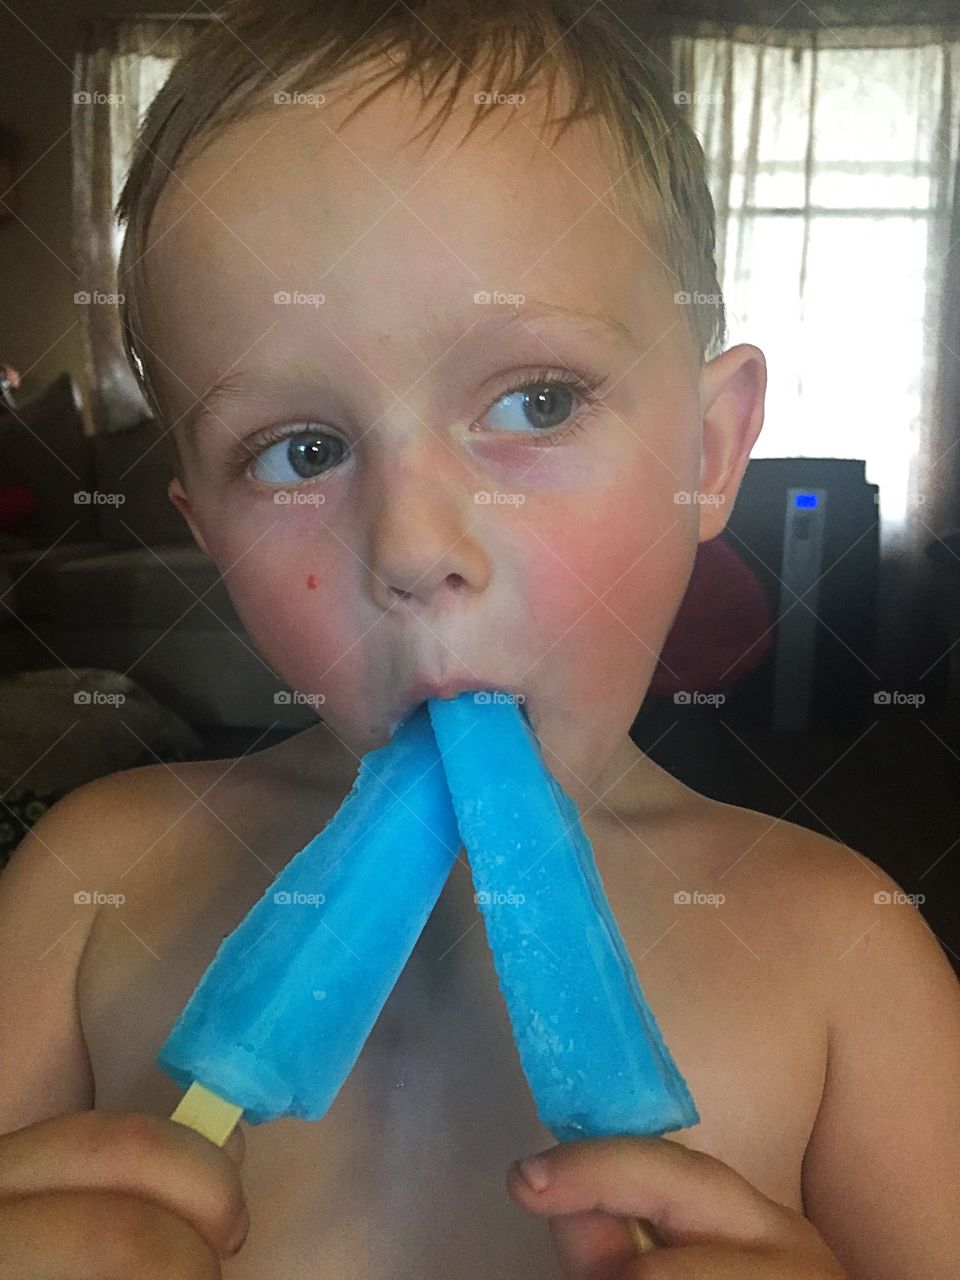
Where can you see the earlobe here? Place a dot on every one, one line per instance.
(732, 390)
(177, 495)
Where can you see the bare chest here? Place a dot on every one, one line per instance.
(405, 1175)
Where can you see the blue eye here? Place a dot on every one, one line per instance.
(293, 458)
(547, 402)
(540, 405)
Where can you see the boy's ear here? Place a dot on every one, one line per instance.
(177, 495)
(732, 389)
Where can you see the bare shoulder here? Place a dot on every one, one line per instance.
(119, 822)
(829, 892)
(68, 869)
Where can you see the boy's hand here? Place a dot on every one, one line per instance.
(711, 1221)
(98, 1194)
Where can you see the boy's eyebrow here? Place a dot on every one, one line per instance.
(232, 385)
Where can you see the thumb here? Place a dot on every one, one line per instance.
(688, 1197)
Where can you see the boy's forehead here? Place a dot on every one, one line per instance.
(391, 235)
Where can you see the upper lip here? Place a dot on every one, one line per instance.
(424, 689)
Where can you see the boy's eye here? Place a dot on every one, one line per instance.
(303, 456)
(541, 405)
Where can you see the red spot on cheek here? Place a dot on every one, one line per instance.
(312, 582)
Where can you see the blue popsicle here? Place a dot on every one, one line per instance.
(282, 1012)
(589, 1046)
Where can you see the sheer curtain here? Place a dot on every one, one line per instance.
(832, 159)
(121, 63)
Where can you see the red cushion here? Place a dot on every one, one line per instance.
(16, 505)
(722, 629)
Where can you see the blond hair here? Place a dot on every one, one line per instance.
(255, 47)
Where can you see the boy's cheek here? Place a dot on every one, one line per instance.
(602, 599)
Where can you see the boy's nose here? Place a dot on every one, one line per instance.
(424, 542)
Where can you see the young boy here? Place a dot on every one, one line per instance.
(450, 400)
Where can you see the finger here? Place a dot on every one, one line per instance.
(687, 1196)
(137, 1154)
(592, 1245)
(71, 1235)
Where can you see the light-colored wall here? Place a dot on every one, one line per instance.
(38, 325)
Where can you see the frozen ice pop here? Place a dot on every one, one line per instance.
(280, 1015)
(589, 1045)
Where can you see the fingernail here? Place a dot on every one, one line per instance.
(534, 1172)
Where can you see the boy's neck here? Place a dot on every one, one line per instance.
(629, 787)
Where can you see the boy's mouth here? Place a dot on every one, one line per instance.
(424, 689)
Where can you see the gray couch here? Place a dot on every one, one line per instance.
(120, 584)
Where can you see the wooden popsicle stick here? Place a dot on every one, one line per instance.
(644, 1241)
(207, 1113)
